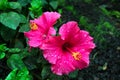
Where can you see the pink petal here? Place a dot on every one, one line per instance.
(64, 65)
(51, 17)
(51, 31)
(52, 43)
(83, 62)
(52, 49)
(52, 55)
(34, 38)
(47, 19)
(68, 30)
(83, 41)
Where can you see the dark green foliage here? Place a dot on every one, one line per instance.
(101, 18)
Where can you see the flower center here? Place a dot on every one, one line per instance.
(33, 26)
(76, 55)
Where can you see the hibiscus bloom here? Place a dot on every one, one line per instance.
(41, 28)
(70, 50)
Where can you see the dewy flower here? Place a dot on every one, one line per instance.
(41, 28)
(70, 50)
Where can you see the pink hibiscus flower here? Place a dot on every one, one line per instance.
(70, 50)
(41, 28)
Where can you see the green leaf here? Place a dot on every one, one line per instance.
(16, 74)
(36, 8)
(11, 19)
(23, 18)
(14, 50)
(115, 13)
(3, 47)
(19, 44)
(54, 4)
(15, 61)
(104, 10)
(24, 27)
(45, 72)
(83, 20)
(7, 33)
(30, 63)
(107, 24)
(23, 74)
(73, 74)
(15, 5)
(12, 75)
(24, 2)
(55, 77)
(3, 4)
(2, 55)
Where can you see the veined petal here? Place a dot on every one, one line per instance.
(83, 62)
(52, 49)
(51, 17)
(52, 55)
(34, 38)
(52, 31)
(69, 30)
(63, 65)
(83, 41)
(47, 19)
(52, 43)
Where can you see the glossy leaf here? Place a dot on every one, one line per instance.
(2, 47)
(15, 5)
(16, 74)
(12, 75)
(10, 19)
(3, 4)
(54, 4)
(15, 61)
(2, 55)
(24, 2)
(73, 74)
(24, 28)
(45, 72)
(36, 8)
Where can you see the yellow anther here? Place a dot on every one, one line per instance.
(76, 55)
(33, 26)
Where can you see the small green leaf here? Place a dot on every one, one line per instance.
(24, 2)
(36, 8)
(7, 33)
(3, 47)
(2, 55)
(3, 4)
(107, 24)
(104, 10)
(11, 19)
(15, 61)
(19, 44)
(15, 5)
(54, 4)
(23, 74)
(24, 27)
(115, 13)
(73, 74)
(12, 75)
(14, 50)
(16, 74)
(23, 18)
(83, 20)
(45, 72)
(55, 77)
